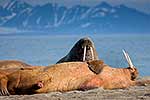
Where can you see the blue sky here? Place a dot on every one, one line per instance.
(142, 5)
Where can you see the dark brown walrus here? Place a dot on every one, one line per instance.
(69, 76)
(83, 50)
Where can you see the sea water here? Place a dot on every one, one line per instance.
(48, 49)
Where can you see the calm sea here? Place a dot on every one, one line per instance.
(48, 49)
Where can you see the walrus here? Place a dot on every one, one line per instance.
(69, 76)
(83, 50)
(12, 64)
(52, 78)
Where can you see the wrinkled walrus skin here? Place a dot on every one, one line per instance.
(83, 50)
(69, 76)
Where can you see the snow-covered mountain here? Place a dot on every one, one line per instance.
(102, 18)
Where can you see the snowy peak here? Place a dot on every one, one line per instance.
(16, 6)
(56, 18)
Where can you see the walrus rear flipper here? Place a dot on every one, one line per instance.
(96, 66)
(142, 82)
(3, 87)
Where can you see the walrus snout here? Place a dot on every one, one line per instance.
(88, 49)
(40, 84)
(134, 73)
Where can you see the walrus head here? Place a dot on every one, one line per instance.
(133, 70)
(83, 50)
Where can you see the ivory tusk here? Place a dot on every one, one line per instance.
(92, 53)
(84, 54)
(131, 64)
(126, 55)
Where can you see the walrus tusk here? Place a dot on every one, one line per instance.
(84, 54)
(131, 64)
(92, 53)
(128, 59)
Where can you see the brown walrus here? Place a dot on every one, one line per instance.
(22, 81)
(12, 64)
(69, 76)
(83, 50)
(113, 78)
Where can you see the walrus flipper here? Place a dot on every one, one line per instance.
(3, 87)
(141, 82)
(96, 66)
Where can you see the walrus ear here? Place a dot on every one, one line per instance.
(96, 66)
(3, 87)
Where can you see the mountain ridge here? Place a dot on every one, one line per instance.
(54, 18)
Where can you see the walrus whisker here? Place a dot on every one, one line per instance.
(92, 53)
(128, 59)
(84, 54)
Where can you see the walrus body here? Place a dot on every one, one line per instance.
(83, 50)
(69, 76)
(111, 78)
(12, 64)
(66, 77)
(59, 77)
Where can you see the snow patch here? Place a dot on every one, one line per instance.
(38, 20)
(86, 13)
(85, 25)
(26, 10)
(62, 18)
(11, 16)
(74, 16)
(112, 10)
(102, 14)
(105, 9)
(10, 4)
(55, 19)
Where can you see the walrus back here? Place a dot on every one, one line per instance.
(12, 64)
